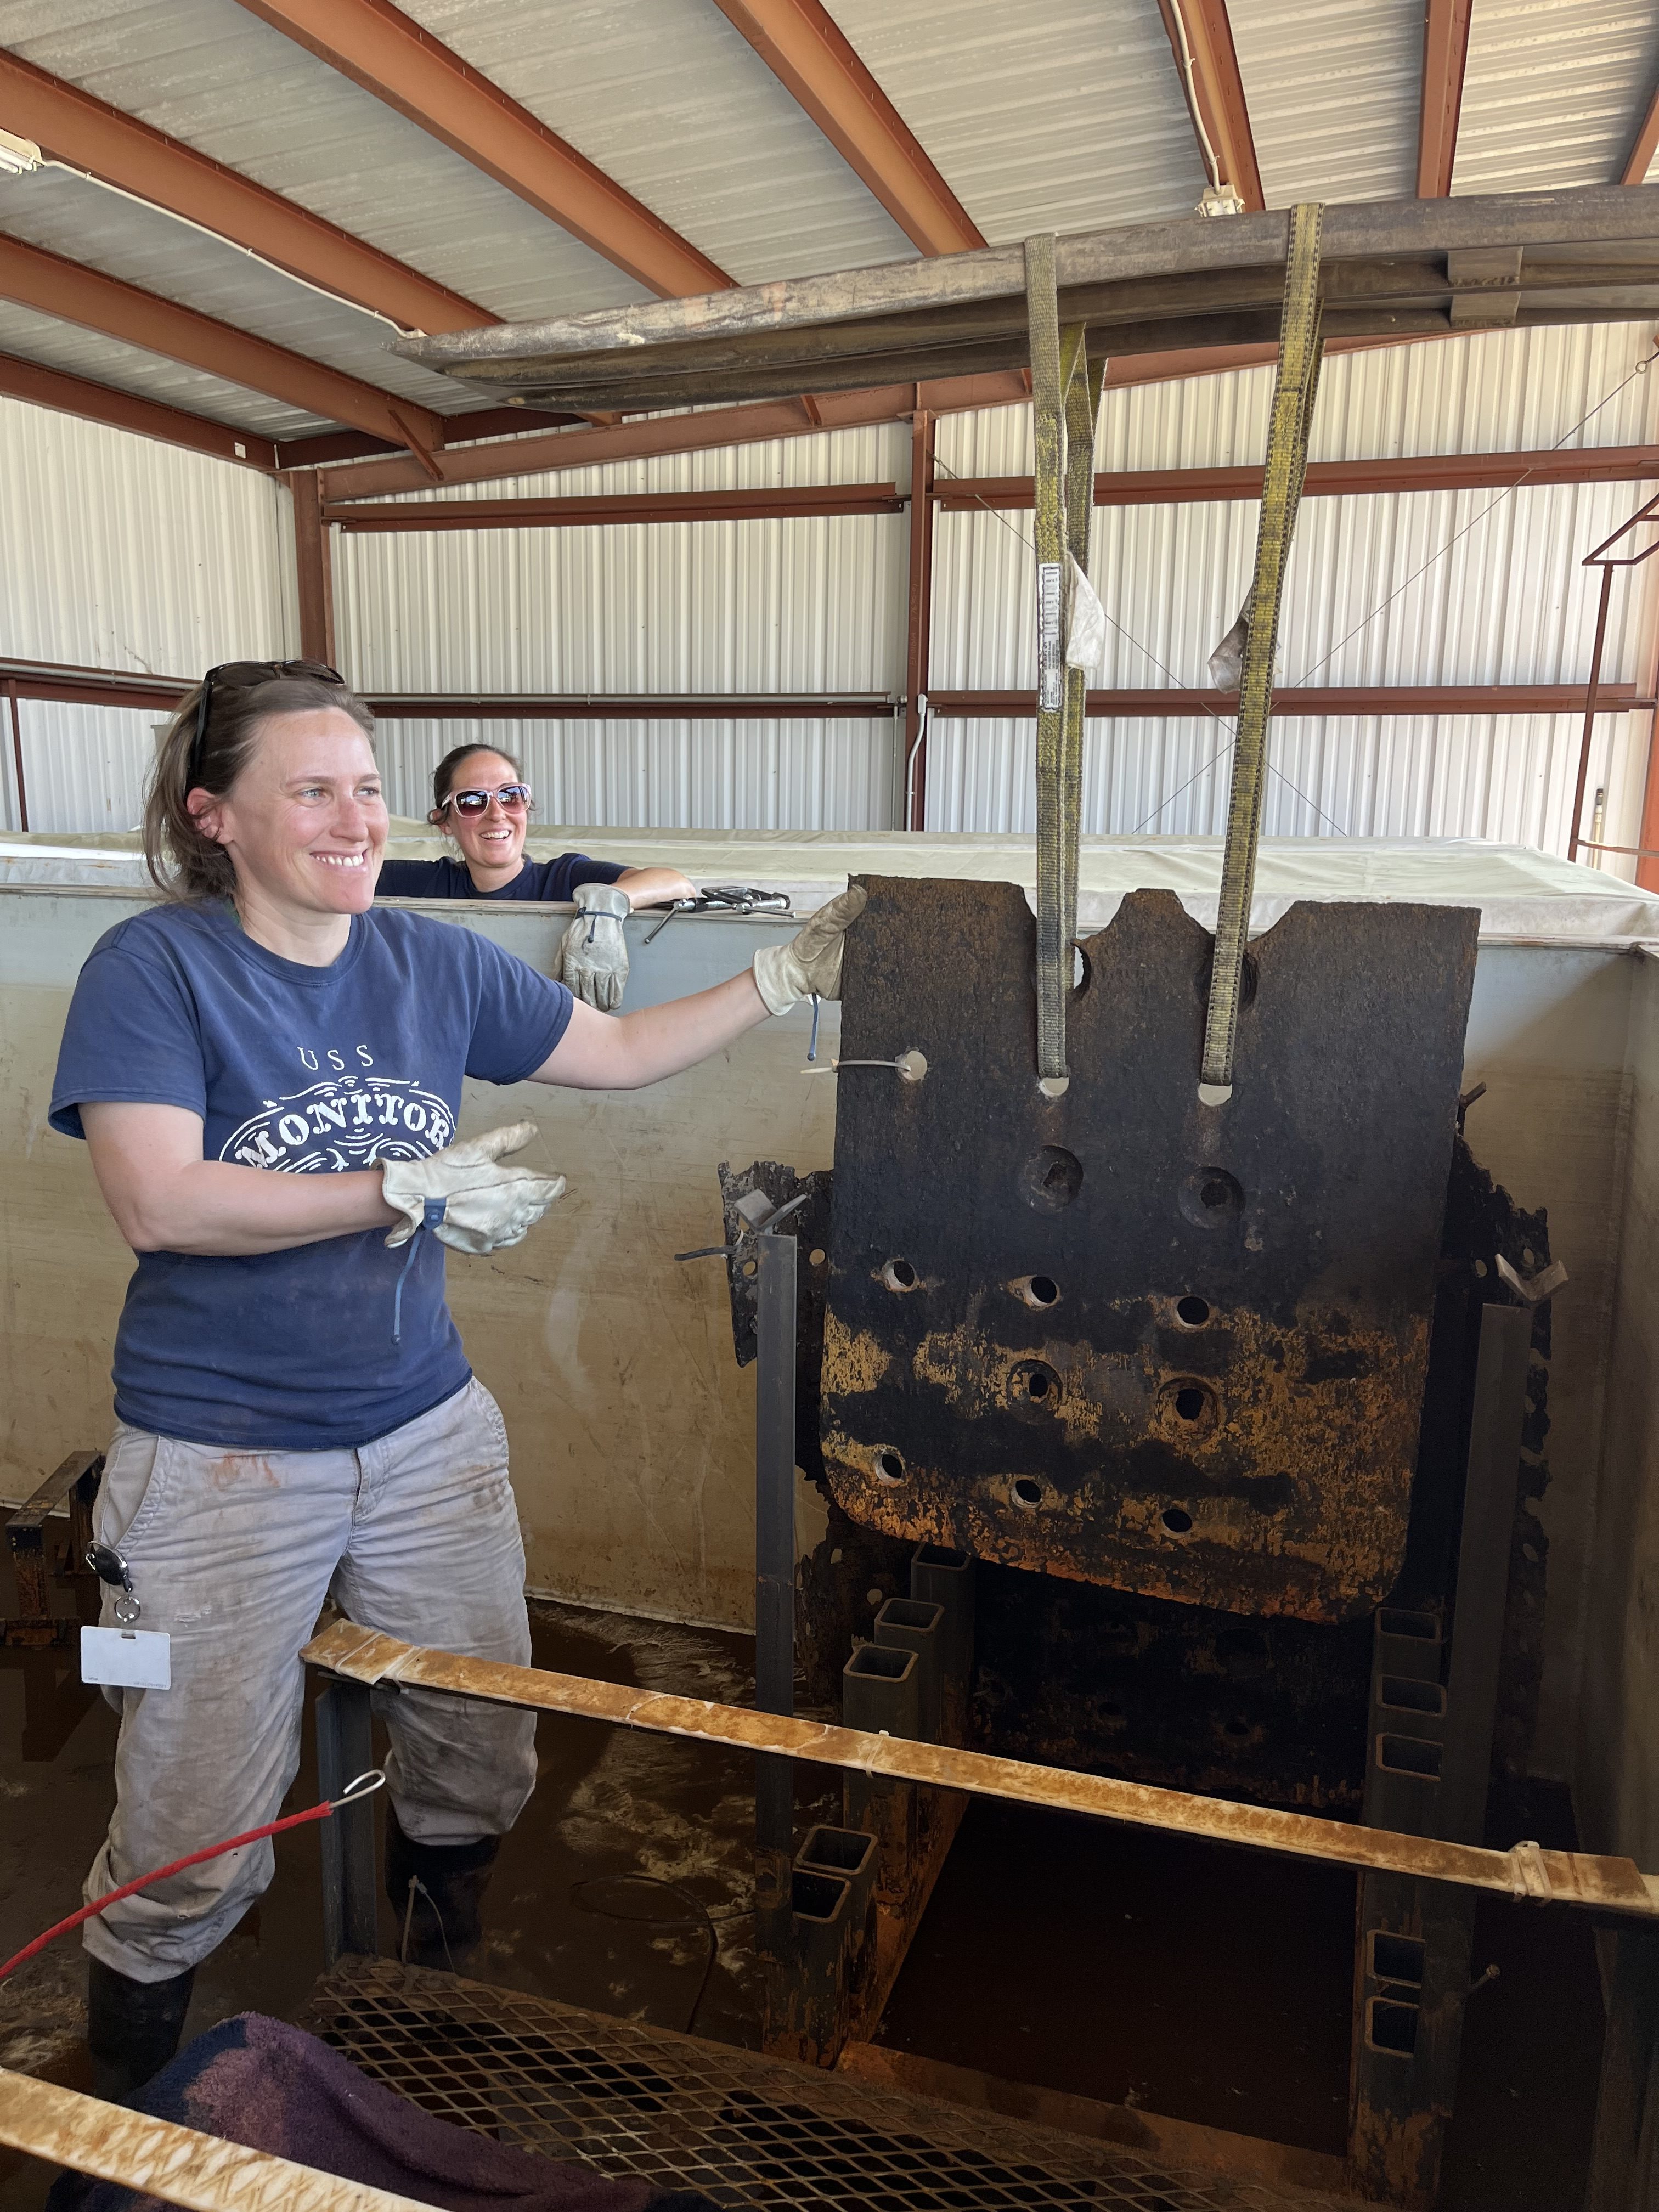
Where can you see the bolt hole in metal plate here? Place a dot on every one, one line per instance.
(755, 2134)
(1247, 1290)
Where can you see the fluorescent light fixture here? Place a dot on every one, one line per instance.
(17, 156)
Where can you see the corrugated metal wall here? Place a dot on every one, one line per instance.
(832, 773)
(149, 558)
(124, 554)
(809, 604)
(1414, 588)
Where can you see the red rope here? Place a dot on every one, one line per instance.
(160, 1873)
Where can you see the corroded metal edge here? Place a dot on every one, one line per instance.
(1606, 1884)
(180, 2166)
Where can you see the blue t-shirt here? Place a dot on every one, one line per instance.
(303, 1071)
(553, 880)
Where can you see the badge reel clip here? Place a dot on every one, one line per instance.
(125, 1656)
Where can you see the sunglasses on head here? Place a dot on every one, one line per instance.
(514, 798)
(244, 676)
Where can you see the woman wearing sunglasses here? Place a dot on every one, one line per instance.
(266, 1069)
(480, 799)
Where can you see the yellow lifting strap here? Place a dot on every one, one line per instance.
(1065, 405)
(1294, 391)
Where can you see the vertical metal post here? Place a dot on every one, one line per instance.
(345, 1749)
(1483, 1568)
(775, 1575)
(314, 565)
(1624, 2167)
(17, 754)
(919, 623)
(1591, 689)
(1428, 1763)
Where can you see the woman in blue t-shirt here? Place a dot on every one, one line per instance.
(267, 1070)
(480, 799)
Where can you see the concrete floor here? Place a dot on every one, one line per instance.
(1207, 1985)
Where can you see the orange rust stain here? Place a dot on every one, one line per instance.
(1345, 1444)
(853, 1362)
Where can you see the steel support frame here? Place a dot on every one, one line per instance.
(1429, 1760)
(313, 561)
(345, 1749)
(919, 626)
(42, 1644)
(16, 722)
(1596, 692)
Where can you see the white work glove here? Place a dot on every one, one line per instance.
(593, 959)
(811, 962)
(485, 1204)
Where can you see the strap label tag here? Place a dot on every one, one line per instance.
(1051, 667)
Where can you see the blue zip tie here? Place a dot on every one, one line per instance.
(432, 1214)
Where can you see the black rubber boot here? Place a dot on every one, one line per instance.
(132, 2027)
(447, 1925)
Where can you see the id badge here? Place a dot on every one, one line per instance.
(127, 1658)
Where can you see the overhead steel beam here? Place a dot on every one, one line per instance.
(1645, 146)
(72, 127)
(1445, 50)
(1329, 479)
(75, 294)
(644, 435)
(385, 52)
(768, 505)
(39, 679)
(1387, 699)
(807, 52)
(124, 411)
(1216, 90)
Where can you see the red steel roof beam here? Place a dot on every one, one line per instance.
(125, 410)
(1219, 90)
(809, 54)
(385, 52)
(1445, 50)
(1646, 146)
(72, 127)
(75, 294)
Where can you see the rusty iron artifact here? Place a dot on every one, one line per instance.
(1116, 1334)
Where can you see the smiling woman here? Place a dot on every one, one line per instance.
(267, 1071)
(481, 801)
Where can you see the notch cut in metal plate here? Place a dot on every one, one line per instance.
(1117, 1334)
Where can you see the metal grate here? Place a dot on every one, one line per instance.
(751, 2131)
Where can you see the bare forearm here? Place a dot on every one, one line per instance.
(624, 1051)
(211, 1207)
(654, 886)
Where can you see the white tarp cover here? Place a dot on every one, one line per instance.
(1520, 893)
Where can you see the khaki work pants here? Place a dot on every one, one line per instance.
(233, 1554)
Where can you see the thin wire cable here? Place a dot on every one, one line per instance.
(1146, 653)
(218, 237)
(364, 1785)
(705, 1920)
(1508, 492)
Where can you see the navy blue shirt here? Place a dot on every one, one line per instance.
(301, 1071)
(553, 880)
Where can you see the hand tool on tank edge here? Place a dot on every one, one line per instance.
(723, 898)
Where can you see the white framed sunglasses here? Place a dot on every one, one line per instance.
(513, 797)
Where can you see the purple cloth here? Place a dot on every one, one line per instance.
(263, 2083)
